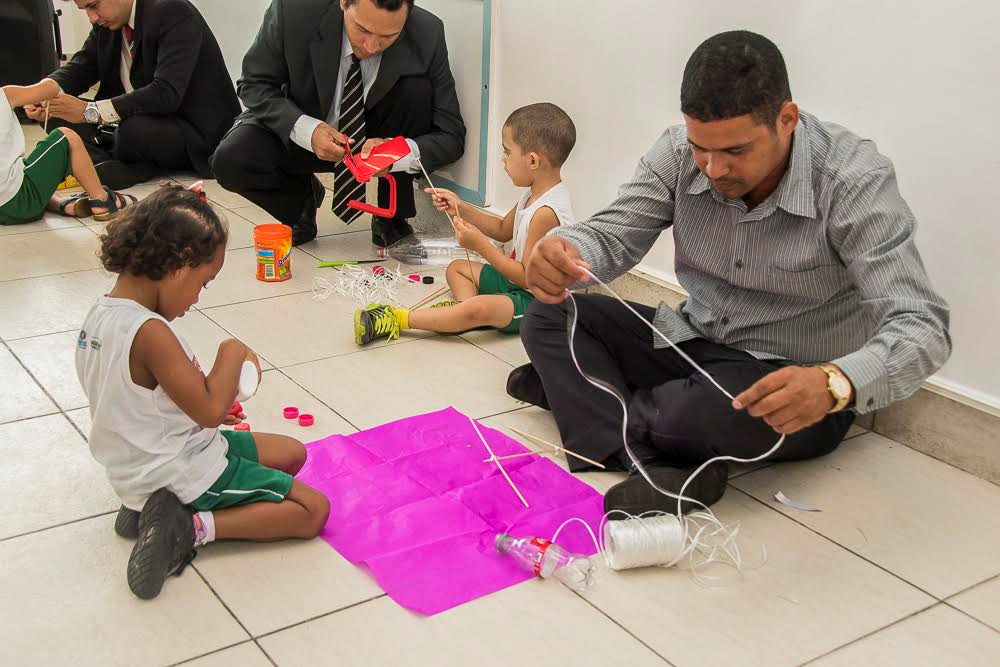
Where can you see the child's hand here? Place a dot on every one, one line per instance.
(444, 200)
(235, 416)
(468, 236)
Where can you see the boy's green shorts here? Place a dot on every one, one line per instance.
(46, 167)
(244, 480)
(492, 282)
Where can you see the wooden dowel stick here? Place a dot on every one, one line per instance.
(493, 457)
(558, 448)
(427, 300)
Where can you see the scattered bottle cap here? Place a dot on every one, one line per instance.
(428, 280)
(291, 412)
(413, 277)
(242, 426)
(306, 420)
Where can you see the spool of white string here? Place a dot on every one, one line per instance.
(698, 538)
(641, 542)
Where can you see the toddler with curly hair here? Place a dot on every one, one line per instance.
(156, 414)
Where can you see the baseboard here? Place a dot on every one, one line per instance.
(938, 419)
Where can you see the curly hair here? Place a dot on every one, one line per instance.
(170, 229)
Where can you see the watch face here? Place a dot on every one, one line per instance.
(840, 386)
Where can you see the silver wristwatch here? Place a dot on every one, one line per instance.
(92, 114)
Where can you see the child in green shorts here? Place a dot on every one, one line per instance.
(537, 139)
(29, 184)
(156, 414)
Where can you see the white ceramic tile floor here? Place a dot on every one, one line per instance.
(835, 593)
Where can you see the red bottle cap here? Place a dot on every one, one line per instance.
(414, 277)
(242, 426)
(378, 270)
(236, 409)
(305, 420)
(291, 412)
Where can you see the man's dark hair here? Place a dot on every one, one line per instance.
(170, 229)
(387, 5)
(733, 74)
(545, 129)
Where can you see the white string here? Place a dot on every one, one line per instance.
(658, 538)
(361, 285)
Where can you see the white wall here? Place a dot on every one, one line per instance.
(921, 80)
(235, 24)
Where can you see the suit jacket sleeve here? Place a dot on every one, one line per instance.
(82, 72)
(179, 37)
(445, 143)
(265, 76)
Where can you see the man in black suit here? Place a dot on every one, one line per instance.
(322, 76)
(165, 98)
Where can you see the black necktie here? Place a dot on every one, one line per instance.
(352, 123)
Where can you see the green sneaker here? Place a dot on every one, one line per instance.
(445, 304)
(375, 322)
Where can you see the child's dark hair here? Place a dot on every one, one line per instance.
(545, 129)
(172, 228)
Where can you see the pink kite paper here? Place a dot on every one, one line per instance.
(414, 502)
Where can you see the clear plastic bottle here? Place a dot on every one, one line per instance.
(414, 249)
(547, 559)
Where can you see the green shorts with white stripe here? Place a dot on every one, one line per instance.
(46, 167)
(244, 480)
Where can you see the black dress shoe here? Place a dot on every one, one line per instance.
(635, 495)
(525, 385)
(386, 231)
(304, 230)
(117, 175)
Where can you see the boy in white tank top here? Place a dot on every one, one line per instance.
(537, 139)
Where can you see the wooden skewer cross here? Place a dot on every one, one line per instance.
(493, 457)
(555, 448)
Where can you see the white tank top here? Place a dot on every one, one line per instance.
(143, 440)
(11, 152)
(556, 198)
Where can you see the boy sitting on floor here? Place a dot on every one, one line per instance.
(537, 139)
(29, 184)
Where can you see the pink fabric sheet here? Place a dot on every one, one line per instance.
(414, 502)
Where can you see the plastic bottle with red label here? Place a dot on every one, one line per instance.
(547, 559)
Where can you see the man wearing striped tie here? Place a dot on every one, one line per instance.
(324, 77)
(808, 302)
(165, 97)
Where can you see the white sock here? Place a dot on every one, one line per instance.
(204, 528)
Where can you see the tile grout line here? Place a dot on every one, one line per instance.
(967, 614)
(838, 544)
(870, 634)
(269, 633)
(221, 601)
(58, 525)
(45, 391)
(624, 629)
(212, 652)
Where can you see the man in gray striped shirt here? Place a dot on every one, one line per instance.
(808, 299)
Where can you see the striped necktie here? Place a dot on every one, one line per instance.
(352, 123)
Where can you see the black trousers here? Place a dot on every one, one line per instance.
(147, 143)
(252, 161)
(673, 411)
